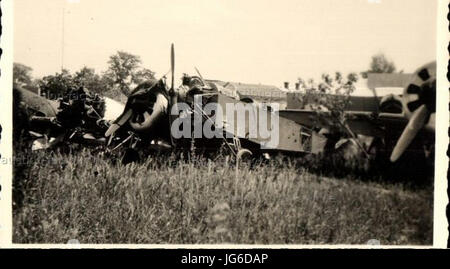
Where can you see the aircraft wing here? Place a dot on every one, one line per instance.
(40, 105)
(360, 122)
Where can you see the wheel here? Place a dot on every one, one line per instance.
(243, 154)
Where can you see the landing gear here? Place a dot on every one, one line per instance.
(243, 154)
(240, 152)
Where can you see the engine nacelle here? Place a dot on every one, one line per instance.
(146, 107)
(391, 103)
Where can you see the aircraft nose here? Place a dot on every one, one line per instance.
(145, 120)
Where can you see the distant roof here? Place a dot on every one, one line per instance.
(383, 83)
(246, 87)
(381, 80)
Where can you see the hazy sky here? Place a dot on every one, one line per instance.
(260, 41)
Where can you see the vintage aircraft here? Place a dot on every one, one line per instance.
(147, 118)
(76, 118)
(372, 124)
(381, 117)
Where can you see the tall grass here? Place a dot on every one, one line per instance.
(165, 199)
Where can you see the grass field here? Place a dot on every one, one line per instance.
(167, 200)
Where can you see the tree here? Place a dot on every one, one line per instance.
(21, 74)
(380, 64)
(329, 100)
(143, 75)
(22, 77)
(58, 85)
(87, 78)
(125, 71)
(329, 97)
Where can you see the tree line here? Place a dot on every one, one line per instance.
(124, 71)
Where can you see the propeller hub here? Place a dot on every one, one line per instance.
(421, 90)
(428, 95)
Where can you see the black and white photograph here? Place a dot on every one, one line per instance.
(209, 122)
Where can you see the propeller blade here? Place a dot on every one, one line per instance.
(172, 65)
(112, 129)
(416, 122)
(124, 117)
(119, 122)
(199, 74)
(172, 95)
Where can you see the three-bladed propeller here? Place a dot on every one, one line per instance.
(419, 102)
